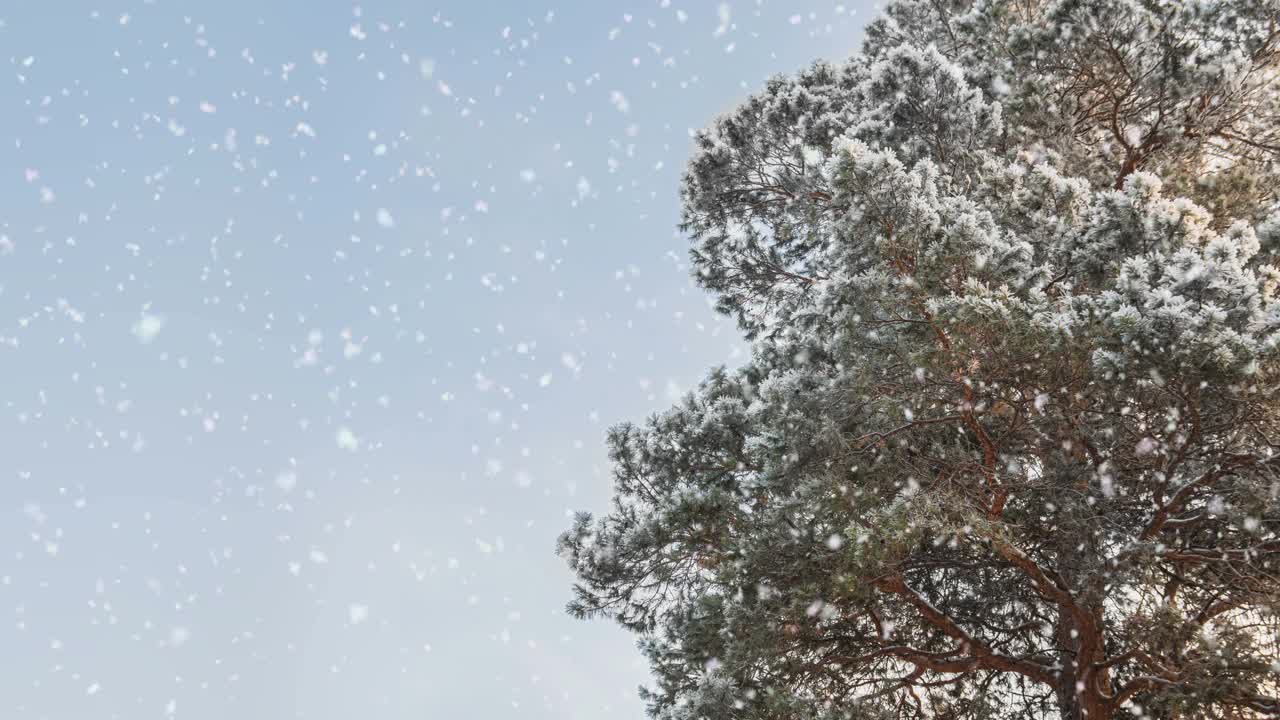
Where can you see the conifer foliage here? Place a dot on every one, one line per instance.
(1007, 444)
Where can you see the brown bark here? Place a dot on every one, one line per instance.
(1083, 687)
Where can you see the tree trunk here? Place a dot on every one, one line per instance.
(1077, 707)
(1068, 702)
(1077, 691)
(1068, 705)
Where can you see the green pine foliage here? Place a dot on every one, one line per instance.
(1006, 446)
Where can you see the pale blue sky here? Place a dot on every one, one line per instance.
(313, 318)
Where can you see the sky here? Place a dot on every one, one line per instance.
(313, 317)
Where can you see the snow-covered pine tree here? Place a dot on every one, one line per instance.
(1007, 443)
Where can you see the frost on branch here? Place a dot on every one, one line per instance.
(1006, 445)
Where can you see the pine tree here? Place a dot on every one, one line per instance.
(1006, 446)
